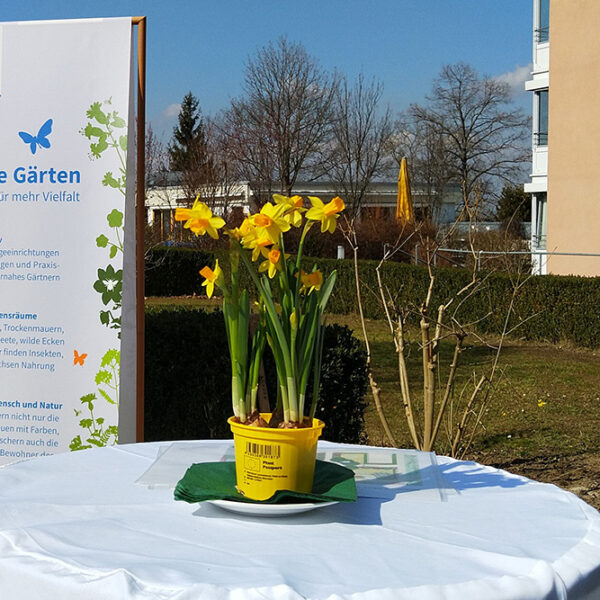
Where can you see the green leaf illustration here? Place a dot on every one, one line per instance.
(101, 131)
(106, 396)
(112, 430)
(102, 241)
(109, 284)
(103, 376)
(76, 444)
(109, 180)
(95, 112)
(115, 218)
(87, 399)
(90, 131)
(111, 356)
(99, 148)
(118, 121)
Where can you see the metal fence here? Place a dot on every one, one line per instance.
(458, 257)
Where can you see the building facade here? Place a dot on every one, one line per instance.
(239, 197)
(565, 179)
(539, 86)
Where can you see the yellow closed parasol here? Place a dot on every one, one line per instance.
(404, 205)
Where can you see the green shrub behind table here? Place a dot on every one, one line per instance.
(175, 271)
(548, 308)
(188, 379)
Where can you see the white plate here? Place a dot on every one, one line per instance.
(260, 509)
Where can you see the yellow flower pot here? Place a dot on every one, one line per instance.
(267, 460)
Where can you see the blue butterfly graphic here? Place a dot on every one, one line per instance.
(41, 139)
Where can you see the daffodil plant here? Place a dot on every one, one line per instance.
(291, 302)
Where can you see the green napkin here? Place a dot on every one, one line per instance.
(216, 481)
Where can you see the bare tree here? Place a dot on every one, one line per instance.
(221, 173)
(484, 136)
(157, 178)
(157, 161)
(283, 117)
(249, 161)
(361, 144)
(425, 151)
(198, 171)
(423, 324)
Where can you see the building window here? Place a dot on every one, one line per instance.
(540, 134)
(542, 29)
(165, 225)
(539, 238)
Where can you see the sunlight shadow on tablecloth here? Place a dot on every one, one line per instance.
(469, 475)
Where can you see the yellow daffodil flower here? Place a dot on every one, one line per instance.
(234, 233)
(270, 222)
(200, 219)
(293, 208)
(272, 264)
(240, 232)
(311, 281)
(254, 239)
(211, 278)
(326, 213)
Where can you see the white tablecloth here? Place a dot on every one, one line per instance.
(77, 526)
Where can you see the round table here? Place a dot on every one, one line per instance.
(77, 526)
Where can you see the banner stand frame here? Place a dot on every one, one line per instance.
(140, 221)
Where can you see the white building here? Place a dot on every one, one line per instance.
(539, 84)
(162, 201)
(379, 202)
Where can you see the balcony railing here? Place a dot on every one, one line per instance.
(541, 34)
(539, 242)
(540, 138)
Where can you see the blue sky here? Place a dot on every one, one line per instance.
(202, 45)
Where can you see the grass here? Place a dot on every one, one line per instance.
(545, 402)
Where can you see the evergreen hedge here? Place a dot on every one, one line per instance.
(174, 271)
(548, 308)
(188, 379)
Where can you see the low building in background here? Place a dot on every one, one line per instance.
(168, 193)
(239, 198)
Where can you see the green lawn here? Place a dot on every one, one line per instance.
(546, 402)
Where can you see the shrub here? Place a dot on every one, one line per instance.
(174, 271)
(188, 379)
(374, 234)
(344, 381)
(187, 376)
(550, 308)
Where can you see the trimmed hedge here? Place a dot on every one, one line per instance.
(548, 308)
(174, 271)
(188, 379)
(186, 376)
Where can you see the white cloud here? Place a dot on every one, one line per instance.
(171, 111)
(516, 78)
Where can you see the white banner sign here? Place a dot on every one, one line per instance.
(64, 106)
